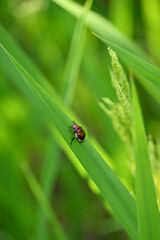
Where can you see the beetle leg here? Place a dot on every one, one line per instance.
(72, 139)
(80, 141)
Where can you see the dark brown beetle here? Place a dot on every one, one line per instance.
(79, 133)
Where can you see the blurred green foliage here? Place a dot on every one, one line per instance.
(44, 31)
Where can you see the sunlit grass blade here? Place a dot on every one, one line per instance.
(75, 56)
(113, 191)
(73, 63)
(148, 75)
(102, 27)
(40, 197)
(147, 208)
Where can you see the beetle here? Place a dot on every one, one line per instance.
(78, 131)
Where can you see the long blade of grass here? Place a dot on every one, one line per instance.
(48, 211)
(12, 74)
(75, 56)
(102, 27)
(49, 173)
(148, 75)
(70, 77)
(114, 192)
(147, 208)
(15, 77)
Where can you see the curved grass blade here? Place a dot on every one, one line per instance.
(147, 208)
(113, 191)
(148, 75)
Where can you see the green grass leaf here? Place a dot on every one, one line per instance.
(114, 192)
(148, 75)
(147, 208)
(49, 172)
(75, 56)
